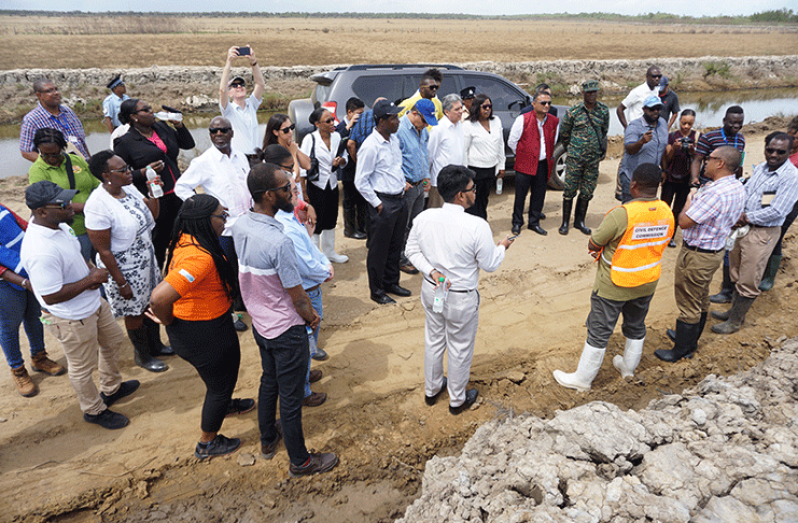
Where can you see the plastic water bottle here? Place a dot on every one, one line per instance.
(439, 296)
(165, 116)
(499, 184)
(155, 187)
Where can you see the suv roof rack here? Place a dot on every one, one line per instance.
(363, 67)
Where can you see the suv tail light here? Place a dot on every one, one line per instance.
(332, 107)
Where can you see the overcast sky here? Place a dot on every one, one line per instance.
(504, 7)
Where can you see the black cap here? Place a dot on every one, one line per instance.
(384, 108)
(46, 192)
(468, 93)
(115, 82)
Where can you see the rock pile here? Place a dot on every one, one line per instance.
(723, 452)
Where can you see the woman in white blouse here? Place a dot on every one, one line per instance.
(322, 192)
(119, 221)
(484, 150)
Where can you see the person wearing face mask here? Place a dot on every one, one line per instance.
(644, 141)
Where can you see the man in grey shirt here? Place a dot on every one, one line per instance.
(644, 141)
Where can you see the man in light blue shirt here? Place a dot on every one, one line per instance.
(112, 103)
(414, 142)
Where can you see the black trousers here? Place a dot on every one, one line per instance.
(325, 201)
(169, 207)
(386, 238)
(212, 348)
(676, 193)
(356, 204)
(536, 185)
(484, 181)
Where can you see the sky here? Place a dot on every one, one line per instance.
(504, 7)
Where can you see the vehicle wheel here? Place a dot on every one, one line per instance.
(557, 180)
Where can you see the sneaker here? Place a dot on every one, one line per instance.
(239, 325)
(268, 450)
(41, 363)
(315, 399)
(219, 446)
(316, 463)
(125, 389)
(107, 419)
(240, 406)
(471, 397)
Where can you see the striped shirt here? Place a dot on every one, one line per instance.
(771, 195)
(267, 266)
(710, 141)
(715, 208)
(67, 122)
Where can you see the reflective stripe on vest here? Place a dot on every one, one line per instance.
(637, 259)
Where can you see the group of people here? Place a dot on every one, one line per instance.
(123, 233)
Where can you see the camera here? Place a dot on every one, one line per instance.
(686, 142)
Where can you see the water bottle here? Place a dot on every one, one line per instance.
(439, 296)
(155, 187)
(499, 184)
(165, 116)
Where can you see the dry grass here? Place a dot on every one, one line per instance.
(316, 41)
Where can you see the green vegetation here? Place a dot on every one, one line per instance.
(717, 68)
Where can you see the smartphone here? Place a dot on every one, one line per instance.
(511, 238)
(243, 51)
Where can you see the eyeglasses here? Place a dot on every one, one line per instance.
(771, 150)
(714, 158)
(224, 215)
(54, 155)
(545, 103)
(145, 109)
(124, 169)
(473, 189)
(223, 130)
(487, 106)
(288, 129)
(62, 205)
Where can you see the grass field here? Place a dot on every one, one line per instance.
(109, 42)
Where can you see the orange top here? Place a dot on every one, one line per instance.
(193, 275)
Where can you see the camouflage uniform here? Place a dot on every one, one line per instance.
(583, 146)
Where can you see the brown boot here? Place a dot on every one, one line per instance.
(41, 363)
(25, 386)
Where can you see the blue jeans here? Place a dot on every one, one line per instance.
(19, 306)
(315, 301)
(284, 360)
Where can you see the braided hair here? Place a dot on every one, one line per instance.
(194, 220)
(49, 135)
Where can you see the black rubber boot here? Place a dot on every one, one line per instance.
(157, 348)
(579, 216)
(770, 273)
(737, 314)
(362, 221)
(350, 223)
(701, 323)
(686, 342)
(567, 205)
(725, 294)
(141, 351)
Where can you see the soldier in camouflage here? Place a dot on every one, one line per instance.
(583, 131)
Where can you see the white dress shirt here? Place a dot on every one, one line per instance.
(379, 168)
(223, 177)
(634, 101)
(246, 136)
(325, 156)
(454, 243)
(446, 147)
(482, 148)
(518, 129)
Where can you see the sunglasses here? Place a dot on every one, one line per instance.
(237, 86)
(545, 103)
(655, 75)
(288, 129)
(487, 106)
(286, 187)
(62, 205)
(771, 150)
(328, 120)
(434, 87)
(223, 130)
(224, 215)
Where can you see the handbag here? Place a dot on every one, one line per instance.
(312, 174)
(602, 141)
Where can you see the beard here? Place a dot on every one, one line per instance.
(650, 118)
(285, 205)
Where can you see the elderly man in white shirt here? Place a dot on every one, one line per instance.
(240, 109)
(222, 172)
(449, 247)
(446, 144)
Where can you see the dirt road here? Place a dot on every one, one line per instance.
(55, 467)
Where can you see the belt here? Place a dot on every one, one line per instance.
(450, 290)
(386, 196)
(414, 184)
(699, 249)
(313, 288)
(762, 226)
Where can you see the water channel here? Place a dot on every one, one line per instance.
(709, 106)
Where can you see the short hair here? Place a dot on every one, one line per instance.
(98, 163)
(687, 112)
(734, 109)
(49, 135)
(730, 156)
(793, 125)
(315, 116)
(453, 179)
(38, 85)
(354, 103)
(275, 154)
(275, 122)
(780, 136)
(261, 178)
(126, 109)
(449, 100)
(432, 74)
(538, 93)
(651, 69)
(647, 175)
(479, 99)
(542, 87)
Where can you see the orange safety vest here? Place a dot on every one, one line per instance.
(637, 258)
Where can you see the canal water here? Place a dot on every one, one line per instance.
(709, 106)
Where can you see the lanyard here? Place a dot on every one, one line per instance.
(723, 133)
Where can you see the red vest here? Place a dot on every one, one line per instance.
(527, 152)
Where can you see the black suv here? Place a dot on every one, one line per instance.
(398, 82)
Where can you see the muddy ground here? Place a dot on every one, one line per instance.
(54, 467)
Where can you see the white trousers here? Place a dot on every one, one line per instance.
(453, 332)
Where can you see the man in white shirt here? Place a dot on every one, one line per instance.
(381, 182)
(451, 245)
(222, 172)
(76, 314)
(446, 144)
(243, 111)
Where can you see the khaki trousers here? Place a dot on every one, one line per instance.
(694, 272)
(749, 257)
(80, 340)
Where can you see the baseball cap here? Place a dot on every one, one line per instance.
(236, 80)
(427, 109)
(663, 81)
(46, 192)
(652, 101)
(384, 108)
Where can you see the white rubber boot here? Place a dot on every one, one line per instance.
(316, 239)
(586, 371)
(632, 353)
(328, 247)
